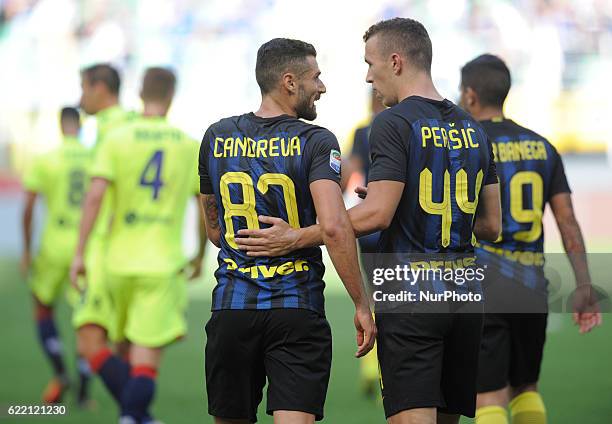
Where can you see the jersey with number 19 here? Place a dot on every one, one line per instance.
(264, 166)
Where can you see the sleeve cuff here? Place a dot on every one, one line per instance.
(205, 186)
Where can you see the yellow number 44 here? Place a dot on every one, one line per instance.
(246, 209)
(444, 208)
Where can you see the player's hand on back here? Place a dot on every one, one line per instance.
(366, 330)
(361, 191)
(586, 310)
(77, 269)
(277, 240)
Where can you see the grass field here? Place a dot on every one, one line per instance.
(576, 376)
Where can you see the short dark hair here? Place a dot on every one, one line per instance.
(405, 36)
(70, 115)
(104, 73)
(158, 84)
(277, 56)
(489, 77)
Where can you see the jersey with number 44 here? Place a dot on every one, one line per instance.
(151, 166)
(264, 166)
(60, 177)
(443, 157)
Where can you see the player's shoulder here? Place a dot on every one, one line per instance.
(122, 129)
(313, 130)
(509, 129)
(526, 131)
(227, 124)
(389, 116)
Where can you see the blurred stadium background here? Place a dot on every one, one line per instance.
(560, 53)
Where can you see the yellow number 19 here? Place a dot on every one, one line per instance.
(246, 209)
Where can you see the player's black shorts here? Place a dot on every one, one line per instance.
(429, 360)
(291, 347)
(511, 350)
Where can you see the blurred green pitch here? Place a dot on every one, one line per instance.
(576, 380)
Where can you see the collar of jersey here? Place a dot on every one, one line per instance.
(109, 111)
(70, 139)
(282, 117)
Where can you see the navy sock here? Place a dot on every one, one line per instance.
(114, 372)
(138, 394)
(51, 344)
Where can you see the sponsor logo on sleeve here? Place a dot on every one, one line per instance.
(335, 161)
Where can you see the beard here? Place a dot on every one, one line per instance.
(303, 108)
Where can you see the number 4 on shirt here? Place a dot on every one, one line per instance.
(151, 175)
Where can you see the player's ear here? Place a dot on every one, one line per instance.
(396, 63)
(290, 83)
(471, 97)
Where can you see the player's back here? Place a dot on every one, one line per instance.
(152, 167)
(530, 172)
(263, 166)
(442, 155)
(61, 177)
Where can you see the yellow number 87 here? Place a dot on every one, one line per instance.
(246, 209)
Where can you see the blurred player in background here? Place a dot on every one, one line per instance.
(151, 167)
(428, 360)
(531, 175)
(60, 178)
(359, 163)
(100, 85)
(268, 315)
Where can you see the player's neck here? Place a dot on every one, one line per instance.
(155, 110)
(271, 107)
(488, 113)
(108, 102)
(418, 84)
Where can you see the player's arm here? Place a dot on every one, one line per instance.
(387, 176)
(28, 213)
(586, 312)
(348, 168)
(211, 218)
(207, 197)
(487, 221)
(103, 172)
(338, 237)
(373, 214)
(91, 209)
(196, 262)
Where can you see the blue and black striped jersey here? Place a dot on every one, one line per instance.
(530, 172)
(443, 157)
(264, 166)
